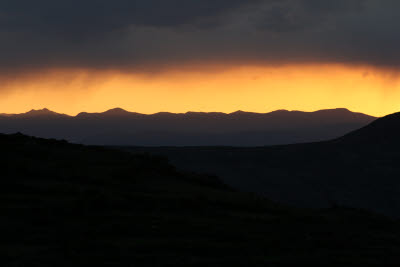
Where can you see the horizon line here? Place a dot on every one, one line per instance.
(181, 113)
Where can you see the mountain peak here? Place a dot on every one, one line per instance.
(239, 112)
(40, 113)
(116, 111)
(336, 110)
(43, 110)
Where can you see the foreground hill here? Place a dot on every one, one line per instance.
(383, 133)
(71, 205)
(119, 127)
(360, 169)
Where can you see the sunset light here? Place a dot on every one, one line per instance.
(225, 89)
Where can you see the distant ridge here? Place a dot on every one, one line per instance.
(120, 127)
(121, 111)
(36, 113)
(115, 112)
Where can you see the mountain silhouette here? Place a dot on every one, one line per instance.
(73, 205)
(120, 127)
(40, 113)
(384, 131)
(360, 169)
(115, 112)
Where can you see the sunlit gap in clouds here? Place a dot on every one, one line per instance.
(226, 89)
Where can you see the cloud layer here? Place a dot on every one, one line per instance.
(147, 34)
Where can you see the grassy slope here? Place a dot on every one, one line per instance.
(64, 205)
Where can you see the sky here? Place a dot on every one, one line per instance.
(199, 55)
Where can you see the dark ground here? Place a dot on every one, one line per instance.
(360, 169)
(71, 205)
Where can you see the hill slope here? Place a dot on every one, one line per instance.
(120, 127)
(384, 132)
(360, 169)
(71, 205)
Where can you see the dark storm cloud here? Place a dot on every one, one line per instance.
(76, 18)
(294, 15)
(139, 33)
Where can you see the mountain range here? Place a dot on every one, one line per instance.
(120, 127)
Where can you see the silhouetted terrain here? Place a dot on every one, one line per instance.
(71, 205)
(361, 169)
(119, 127)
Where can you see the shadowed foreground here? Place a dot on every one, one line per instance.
(360, 169)
(70, 205)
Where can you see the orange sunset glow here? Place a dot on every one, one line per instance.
(250, 88)
(200, 133)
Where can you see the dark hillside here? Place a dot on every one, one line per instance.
(360, 169)
(71, 205)
(382, 132)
